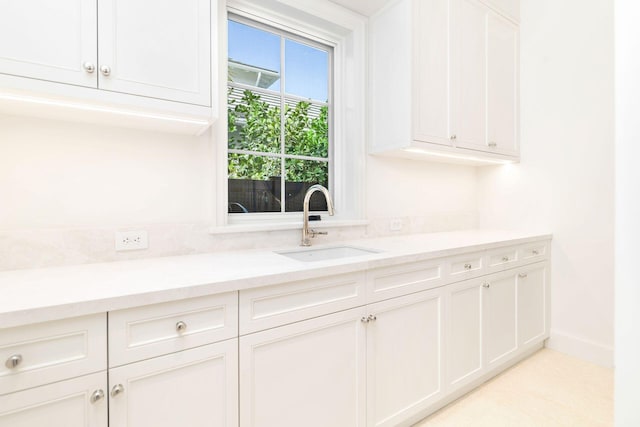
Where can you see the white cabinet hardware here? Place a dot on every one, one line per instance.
(181, 326)
(105, 70)
(116, 390)
(89, 67)
(97, 395)
(14, 361)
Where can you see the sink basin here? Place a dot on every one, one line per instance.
(323, 254)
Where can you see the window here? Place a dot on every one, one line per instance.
(279, 103)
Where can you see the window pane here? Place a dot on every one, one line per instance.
(254, 56)
(307, 71)
(254, 184)
(306, 129)
(254, 121)
(302, 174)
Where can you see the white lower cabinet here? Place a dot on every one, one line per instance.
(310, 373)
(404, 357)
(533, 297)
(195, 388)
(500, 340)
(464, 333)
(79, 402)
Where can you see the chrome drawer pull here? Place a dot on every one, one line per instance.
(535, 252)
(372, 318)
(467, 266)
(116, 390)
(96, 396)
(486, 285)
(365, 320)
(522, 275)
(13, 361)
(505, 259)
(181, 326)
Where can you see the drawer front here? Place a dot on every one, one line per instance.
(144, 332)
(43, 353)
(534, 252)
(466, 266)
(264, 308)
(398, 280)
(501, 259)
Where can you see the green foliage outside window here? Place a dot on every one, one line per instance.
(254, 125)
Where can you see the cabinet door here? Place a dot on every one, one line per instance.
(431, 71)
(502, 85)
(160, 49)
(49, 40)
(470, 74)
(499, 317)
(80, 402)
(310, 373)
(464, 333)
(532, 304)
(404, 357)
(195, 388)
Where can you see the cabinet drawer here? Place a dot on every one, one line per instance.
(466, 266)
(144, 332)
(502, 258)
(264, 308)
(388, 282)
(43, 353)
(534, 252)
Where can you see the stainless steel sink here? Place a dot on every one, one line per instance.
(324, 254)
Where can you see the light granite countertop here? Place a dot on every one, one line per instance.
(38, 295)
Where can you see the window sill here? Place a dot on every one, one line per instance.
(289, 225)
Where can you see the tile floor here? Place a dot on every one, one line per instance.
(549, 389)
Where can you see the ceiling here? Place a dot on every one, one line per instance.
(363, 7)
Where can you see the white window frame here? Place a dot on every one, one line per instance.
(343, 30)
(282, 155)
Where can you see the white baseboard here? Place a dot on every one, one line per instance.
(584, 349)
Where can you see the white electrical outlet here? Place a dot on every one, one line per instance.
(395, 224)
(131, 240)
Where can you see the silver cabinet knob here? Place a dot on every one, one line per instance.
(493, 144)
(505, 259)
(14, 361)
(372, 318)
(535, 252)
(89, 67)
(523, 275)
(365, 320)
(96, 396)
(105, 70)
(181, 326)
(486, 285)
(453, 137)
(467, 266)
(116, 390)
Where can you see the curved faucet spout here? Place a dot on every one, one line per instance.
(307, 234)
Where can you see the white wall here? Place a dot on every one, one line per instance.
(58, 174)
(65, 188)
(627, 376)
(565, 183)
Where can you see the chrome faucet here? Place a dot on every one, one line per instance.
(307, 234)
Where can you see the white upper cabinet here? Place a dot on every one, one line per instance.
(470, 74)
(159, 49)
(49, 40)
(444, 80)
(134, 63)
(502, 85)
